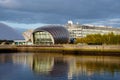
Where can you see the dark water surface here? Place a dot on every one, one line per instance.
(49, 66)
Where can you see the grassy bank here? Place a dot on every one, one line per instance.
(66, 49)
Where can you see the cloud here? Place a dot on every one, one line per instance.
(12, 4)
(58, 11)
(30, 17)
(115, 22)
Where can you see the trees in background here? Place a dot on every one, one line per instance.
(109, 38)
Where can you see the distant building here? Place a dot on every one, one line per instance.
(20, 42)
(78, 31)
(51, 34)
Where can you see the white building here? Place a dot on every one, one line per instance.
(78, 31)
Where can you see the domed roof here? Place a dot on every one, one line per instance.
(59, 33)
(8, 33)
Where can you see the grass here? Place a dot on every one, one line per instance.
(64, 50)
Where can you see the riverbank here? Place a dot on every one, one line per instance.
(65, 49)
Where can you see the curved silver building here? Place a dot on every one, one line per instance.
(51, 34)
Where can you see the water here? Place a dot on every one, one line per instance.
(51, 66)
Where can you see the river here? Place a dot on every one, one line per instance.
(55, 66)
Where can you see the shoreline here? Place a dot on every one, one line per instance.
(110, 50)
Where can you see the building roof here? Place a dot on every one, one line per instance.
(8, 33)
(60, 34)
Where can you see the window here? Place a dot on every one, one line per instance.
(43, 38)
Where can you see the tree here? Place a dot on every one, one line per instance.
(109, 38)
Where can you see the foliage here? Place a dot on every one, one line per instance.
(109, 38)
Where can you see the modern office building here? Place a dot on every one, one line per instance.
(51, 34)
(78, 31)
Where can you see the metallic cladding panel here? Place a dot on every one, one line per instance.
(59, 33)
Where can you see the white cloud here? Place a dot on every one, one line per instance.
(9, 4)
(22, 25)
(115, 22)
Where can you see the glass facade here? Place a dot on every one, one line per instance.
(51, 34)
(43, 38)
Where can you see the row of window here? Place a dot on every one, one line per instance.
(42, 38)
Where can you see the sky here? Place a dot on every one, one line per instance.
(35, 13)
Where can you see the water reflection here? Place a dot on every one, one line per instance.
(44, 66)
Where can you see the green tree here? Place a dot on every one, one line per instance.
(109, 38)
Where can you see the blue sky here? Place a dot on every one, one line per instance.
(35, 13)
